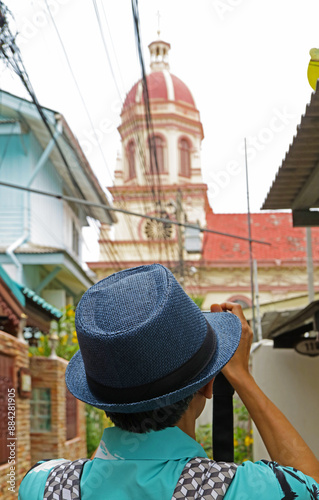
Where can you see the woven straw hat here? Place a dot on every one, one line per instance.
(144, 343)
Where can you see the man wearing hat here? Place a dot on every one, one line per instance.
(148, 357)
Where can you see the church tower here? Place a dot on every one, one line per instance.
(167, 184)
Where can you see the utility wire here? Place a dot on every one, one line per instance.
(132, 122)
(151, 138)
(78, 89)
(105, 47)
(120, 210)
(148, 117)
(11, 54)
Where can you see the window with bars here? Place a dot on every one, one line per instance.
(41, 410)
(71, 410)
(6, 383)
(185, 158)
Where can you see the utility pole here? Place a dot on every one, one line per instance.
(179, 218)
(250, 247)
(311, 291)
(259, 328)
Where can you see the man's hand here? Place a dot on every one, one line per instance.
(237, 367)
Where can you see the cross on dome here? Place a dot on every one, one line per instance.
(158, 23)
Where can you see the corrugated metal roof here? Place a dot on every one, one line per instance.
(30, 294)
(32, 248)
(12, 285)
(300, 166)
(22, 292)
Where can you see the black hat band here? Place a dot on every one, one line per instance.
(169, 383)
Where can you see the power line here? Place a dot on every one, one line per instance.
(133, 123)
(151, 138)
(120, 210)
(80, 93)
(148, 116)
(11, 54)
(105, 47)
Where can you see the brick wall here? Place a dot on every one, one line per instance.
(49, 373)
(18, 350)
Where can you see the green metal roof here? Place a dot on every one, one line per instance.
(30, 294)
(13, 286)
(21, 292)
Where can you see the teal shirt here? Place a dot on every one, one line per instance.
(129, 466)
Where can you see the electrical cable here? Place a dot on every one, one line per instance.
(112, 209)
(121, 202)
(78, 89)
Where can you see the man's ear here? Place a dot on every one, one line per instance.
(207, 390)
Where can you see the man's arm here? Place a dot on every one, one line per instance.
(283, 442)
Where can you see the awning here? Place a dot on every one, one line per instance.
(296, 185)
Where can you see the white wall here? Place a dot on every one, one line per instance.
(290, 380)
(55, 297)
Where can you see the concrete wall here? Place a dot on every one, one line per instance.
(290, 380)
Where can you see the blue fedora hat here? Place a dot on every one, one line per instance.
(144, 343)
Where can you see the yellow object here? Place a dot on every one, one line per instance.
(248, 441)
(313, 68)
(64, 339)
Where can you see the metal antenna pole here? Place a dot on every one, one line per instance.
(311, 290)
(179, 217)
(250, 247)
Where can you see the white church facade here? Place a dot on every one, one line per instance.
(169, 185)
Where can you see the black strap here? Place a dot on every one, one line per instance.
(223, 420)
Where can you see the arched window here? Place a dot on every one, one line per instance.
(185, 158)
(243, 301)
(131, 160)
(157, 143)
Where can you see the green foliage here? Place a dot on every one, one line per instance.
(96, 422)
(204, 438)
(65, 329)
(243, 441)
(198, 299)
(94, 428)
(242, 436)
(43, 348)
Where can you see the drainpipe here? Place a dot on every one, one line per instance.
(26, 234)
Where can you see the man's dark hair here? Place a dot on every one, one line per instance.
(155, 420)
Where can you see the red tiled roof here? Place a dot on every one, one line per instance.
(287, 243)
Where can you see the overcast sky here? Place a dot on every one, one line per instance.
(245, 62)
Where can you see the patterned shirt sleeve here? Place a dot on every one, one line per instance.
(293, 483)
(265, 480)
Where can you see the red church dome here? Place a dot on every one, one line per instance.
(163, 86)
